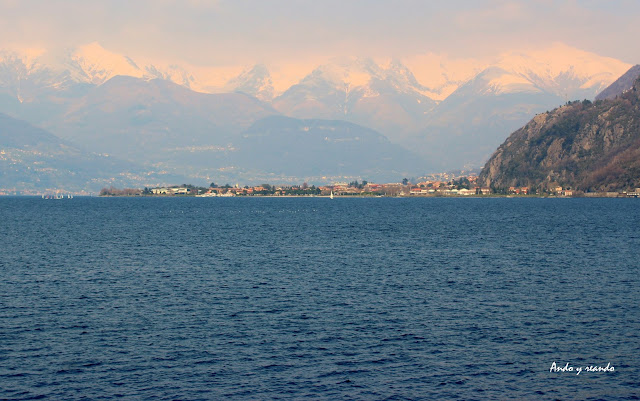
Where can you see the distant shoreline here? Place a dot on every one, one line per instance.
(599, 196)
(336, 196)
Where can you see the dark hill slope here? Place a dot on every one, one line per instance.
(146, 121)
(32, 159)
(622, 84)
(583, 145)
(327, 148)
(312, 149)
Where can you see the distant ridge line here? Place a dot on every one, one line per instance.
(620, 85)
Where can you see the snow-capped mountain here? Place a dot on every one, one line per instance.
(352, 79)
(329, 89)
(359, 90)
(471, 122)
(90, 64)
(23, 78)
(94, 64)
(255, 81)
(562, 70)
(558, 70)
(442, 75)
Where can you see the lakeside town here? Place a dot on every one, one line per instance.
(437, 185)
(452, 184)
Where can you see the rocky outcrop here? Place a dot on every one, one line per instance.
(582, 145)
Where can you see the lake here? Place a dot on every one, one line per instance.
(267, 298)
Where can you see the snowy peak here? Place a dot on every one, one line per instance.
(25, 60)
(344, 74)
(498, 81)
(559, 58)
(401, 74)
(24, 76)
(255, 81)
(21, 66)
(564, 71)
(90, 64)
(173, 73)
(14, 67)
(402, 79)
(359, 90)
(96, 65)
(441, 75)
(363, 75)
(559, 70)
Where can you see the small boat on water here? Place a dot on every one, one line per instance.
(331, 196)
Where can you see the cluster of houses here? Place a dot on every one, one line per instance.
(560, 191)
(171, 191)
(259, 190)
(465, 186)
(557, 191)
(450, 191)
(451, 186)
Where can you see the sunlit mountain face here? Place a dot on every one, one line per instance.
(453, 113)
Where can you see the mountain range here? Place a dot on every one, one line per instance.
(173, 117)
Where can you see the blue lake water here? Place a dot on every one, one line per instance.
(263, 298)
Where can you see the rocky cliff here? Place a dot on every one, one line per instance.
(582, 145)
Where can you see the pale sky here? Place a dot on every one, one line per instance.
(230, 32)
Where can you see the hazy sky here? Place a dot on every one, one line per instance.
(225, 32)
